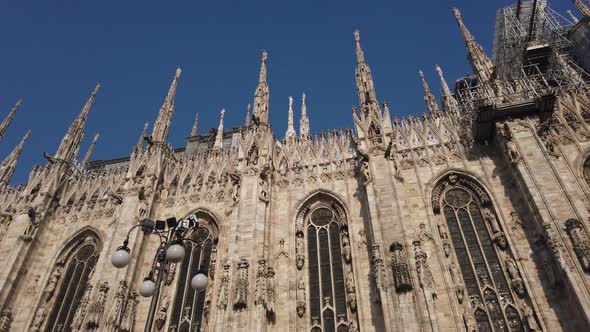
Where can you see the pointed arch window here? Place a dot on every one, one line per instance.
(68, 281)
(477, 240)
(332, 298)
(189, 305)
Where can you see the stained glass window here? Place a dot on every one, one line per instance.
(485, 280)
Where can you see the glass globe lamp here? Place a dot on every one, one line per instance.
(120, 258)
(199, 282)
(147, 287)
(175, 252)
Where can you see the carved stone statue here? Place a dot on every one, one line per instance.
(470, 325)
(301, 299)
(52, 284)
(422, 268)
(500, 240)
(515, 280)
(33, 286)
(96, 309)
(399, 265)
(270, 291)
(39, 319)
(442, 231)
(224, 287)
(446, 248)
(261, 282)
(128, 322)
(580, 241)
(350, 291)
(529, 317)
(299, 249)
(6, 320)
(365, 172)
(116, 310)
(346, 246)
(161, 316)
(241, 290)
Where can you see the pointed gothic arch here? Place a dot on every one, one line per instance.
(326, 259)
(69, 278)
(189, 306)
(486, 268)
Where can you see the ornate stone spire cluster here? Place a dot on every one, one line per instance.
(4, 125)
(261, 96)
(364, 81)
(429, 98)
(290, 128)
(88, 155)
(8, 166)
(164, 120)
(481, 63)
(304, 121)
(70, 144)
(195, 125)
(219, 137)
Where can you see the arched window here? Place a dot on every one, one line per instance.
(189, 305)
(331, 288)
(480, 248)
(68, 281)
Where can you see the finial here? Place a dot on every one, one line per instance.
(290, 104)
(264, 55)
(466, 34)
(178, 72)
(248, 115)
(572, 16)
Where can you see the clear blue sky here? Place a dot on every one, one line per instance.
(53, 53)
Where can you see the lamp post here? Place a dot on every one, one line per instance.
(171, 250)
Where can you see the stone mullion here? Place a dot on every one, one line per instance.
(529, 185)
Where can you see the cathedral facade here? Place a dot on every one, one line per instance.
(474, 216)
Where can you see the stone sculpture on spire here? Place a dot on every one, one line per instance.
(428, 96)
(195, 125)
(304, 121)
(261, 96)
(219, 137)
(164, 120)
(4, 125)
(8, 166)
(290, 129)
(481, 63)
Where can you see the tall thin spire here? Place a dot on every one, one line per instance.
(304, 121)
(195, 125)
(4, 125)
(248, 116)
(70, 144)
(164, 120)
(386, 116)
(449, 102)
(364, 81)
(290, 129)
(219, 136)
(261, 96)
(428, 96)
(88, 155)
(139, 146)
(572, 16)
(481, 63)
(8, 166)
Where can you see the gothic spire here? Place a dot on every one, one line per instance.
(195, 125)
(4, 125)
(386, 116)
(261, 96)
(139, 146)
(290, 129)
(572, 16)
(248, 116)
(8, 166)
(449, 102)
(164, 120)
(364, 81)
(481, 63)
(304, 121)
(70, 144)
(219, 136)
(428, 96)
(88, 155)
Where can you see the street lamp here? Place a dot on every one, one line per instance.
(171, 250)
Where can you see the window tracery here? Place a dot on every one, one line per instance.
(67, 283)
(490, 275)
(189, 305)
(331, 288)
